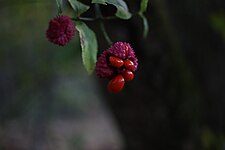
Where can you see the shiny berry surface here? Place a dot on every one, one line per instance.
(116, 62)
(129, 64)
(128, 75)
(116, 84)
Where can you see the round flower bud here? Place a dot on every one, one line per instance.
(60, 30)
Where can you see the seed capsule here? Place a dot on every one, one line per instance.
(116, 84)
(129, 64)
(116, 62)
(128, 75)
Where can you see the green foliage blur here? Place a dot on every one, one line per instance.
(29, 63)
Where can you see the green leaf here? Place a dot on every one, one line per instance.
(218, 23)
(78, 7)
(145, 25)
(99, 2)
(59, 6)
(122, 9)
(143, 6)
(89, 46)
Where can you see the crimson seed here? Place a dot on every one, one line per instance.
(116, 62)
(128, 75)
(129, 64)
(116, 84)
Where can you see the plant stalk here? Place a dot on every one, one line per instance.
(102, 27)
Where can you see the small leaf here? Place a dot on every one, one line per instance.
(122, 9)
(89, 46)
(59, 6)
(78, 7)
(143, 6)
(145, 25)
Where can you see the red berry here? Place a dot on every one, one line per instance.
(116, 62)
(129, 64)
(128, 75)
(116, 84)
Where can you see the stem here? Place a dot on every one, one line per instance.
(93, 19)
(105, 33)
(100, 17)
(84, 19)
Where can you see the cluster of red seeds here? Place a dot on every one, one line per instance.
(123, 68)
(118, 64)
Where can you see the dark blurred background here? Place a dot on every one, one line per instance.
(177, 100)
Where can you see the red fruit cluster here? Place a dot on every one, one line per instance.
(118, 64)
(123, 68)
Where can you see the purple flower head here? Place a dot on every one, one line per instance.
(60, 30)
(120, 50)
